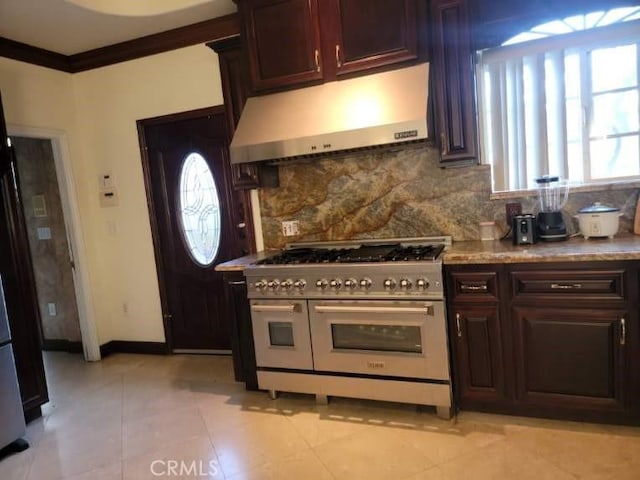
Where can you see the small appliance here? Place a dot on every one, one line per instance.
(524, 229)
(552, 196)
(598, 220)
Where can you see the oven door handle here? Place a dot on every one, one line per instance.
(284, 308)
(426, 308)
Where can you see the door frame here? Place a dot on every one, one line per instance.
(71, 215)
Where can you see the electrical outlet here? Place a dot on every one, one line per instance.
(511, 210)
(291, 228)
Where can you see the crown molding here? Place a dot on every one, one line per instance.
(34, 55)
(202, 32)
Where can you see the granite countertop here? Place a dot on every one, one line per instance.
(624, 246)
(239, 264)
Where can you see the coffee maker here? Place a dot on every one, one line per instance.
(552, 196)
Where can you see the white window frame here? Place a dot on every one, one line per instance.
(517, 176)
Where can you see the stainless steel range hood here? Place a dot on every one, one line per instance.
(374, 110)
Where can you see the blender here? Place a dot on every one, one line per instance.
(552, 196)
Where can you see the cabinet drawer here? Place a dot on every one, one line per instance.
(565, 284)
(474, 286)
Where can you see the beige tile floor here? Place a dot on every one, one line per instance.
(149, 417)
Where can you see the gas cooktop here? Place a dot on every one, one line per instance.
(364, 251)
(362, 254)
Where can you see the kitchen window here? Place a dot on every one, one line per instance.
(563, 99)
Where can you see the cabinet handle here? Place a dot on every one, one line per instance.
(623, 331)
(473, 288)
(317, 60)
(458, 325)
(237, 282)
(566, 286)
(443, 144)
(338, 62)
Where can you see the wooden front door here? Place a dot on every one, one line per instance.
(188, 180)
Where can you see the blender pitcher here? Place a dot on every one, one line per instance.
(552, 196)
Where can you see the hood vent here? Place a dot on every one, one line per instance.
(376, 110)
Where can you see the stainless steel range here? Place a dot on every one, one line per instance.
(360, 319)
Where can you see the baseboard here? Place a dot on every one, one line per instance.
(59, 345)
(126, 346)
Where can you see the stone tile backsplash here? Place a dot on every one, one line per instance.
(405, 193)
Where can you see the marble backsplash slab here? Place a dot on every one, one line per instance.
(405, 193)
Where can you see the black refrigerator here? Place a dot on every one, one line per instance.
(12, 425)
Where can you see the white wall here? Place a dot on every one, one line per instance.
(98, 109)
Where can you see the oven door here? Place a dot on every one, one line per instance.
(281, 334)
(391, 338)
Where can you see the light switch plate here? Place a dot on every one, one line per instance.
(108, 198)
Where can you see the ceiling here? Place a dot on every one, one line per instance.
(73, 26)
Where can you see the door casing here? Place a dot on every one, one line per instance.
(71, 213)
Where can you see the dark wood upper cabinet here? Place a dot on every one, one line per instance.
(297, 42)
(452, 82)
(361, 34)
(283, 42)
(235, 90)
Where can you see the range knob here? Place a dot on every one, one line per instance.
(336, 283)
(422, 283)
(389, 284)
(299, 284)
(350, 283)
(405, 284)
(287, 284)
(322, 284)
(365, 283)
(273, 284)
(261, 285)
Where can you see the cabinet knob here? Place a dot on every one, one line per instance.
(338, 61)
(458, 325)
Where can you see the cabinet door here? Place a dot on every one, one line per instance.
(20, 295)
(479, 369)
(572, 358)
(452, 82)
(372, 33)
(241, 332)
(235, 92)
(283, 40)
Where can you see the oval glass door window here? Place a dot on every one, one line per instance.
(199, 209)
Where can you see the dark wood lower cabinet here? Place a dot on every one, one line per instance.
(242, 348)
(556, 340)
(573, 358)
(478, 353)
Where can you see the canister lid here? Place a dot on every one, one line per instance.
(597, 207)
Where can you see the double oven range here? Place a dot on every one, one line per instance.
(361, 319)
